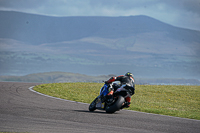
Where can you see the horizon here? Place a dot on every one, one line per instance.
(54, 77)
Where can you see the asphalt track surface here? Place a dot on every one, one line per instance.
(22, 110)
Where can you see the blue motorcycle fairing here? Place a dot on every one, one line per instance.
(104, 90)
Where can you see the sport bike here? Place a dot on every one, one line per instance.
(115, 103)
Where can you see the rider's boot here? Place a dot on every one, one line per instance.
(127, 103)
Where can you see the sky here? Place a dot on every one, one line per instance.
(180, 13)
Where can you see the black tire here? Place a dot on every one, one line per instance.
(92, 106)
(116, 106)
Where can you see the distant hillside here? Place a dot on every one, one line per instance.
(57, 77)
(37, 29)
(97, 45)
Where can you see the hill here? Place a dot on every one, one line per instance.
(97, 45)
(57, 77)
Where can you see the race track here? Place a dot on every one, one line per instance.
(22, 110)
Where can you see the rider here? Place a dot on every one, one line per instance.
(127, 82)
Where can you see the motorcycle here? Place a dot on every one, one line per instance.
(110, 105)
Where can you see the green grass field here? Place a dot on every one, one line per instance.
(173, 100)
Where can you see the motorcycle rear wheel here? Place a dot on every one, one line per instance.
(116, 106)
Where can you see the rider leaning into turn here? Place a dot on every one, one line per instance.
(127, 82)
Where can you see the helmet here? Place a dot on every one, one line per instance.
(129, 74)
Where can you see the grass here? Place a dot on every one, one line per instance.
(173, 100)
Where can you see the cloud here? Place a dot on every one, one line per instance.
(182, 13)
(192, 6)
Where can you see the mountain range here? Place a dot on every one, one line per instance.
(97, 45)
(60, 77)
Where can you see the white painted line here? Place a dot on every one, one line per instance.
(31, 89)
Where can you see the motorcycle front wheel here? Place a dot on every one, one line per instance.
(92, 106)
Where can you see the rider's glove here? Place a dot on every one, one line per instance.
(106, 82)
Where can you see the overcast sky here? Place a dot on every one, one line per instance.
(181, 13)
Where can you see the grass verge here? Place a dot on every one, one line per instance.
(173, 100)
